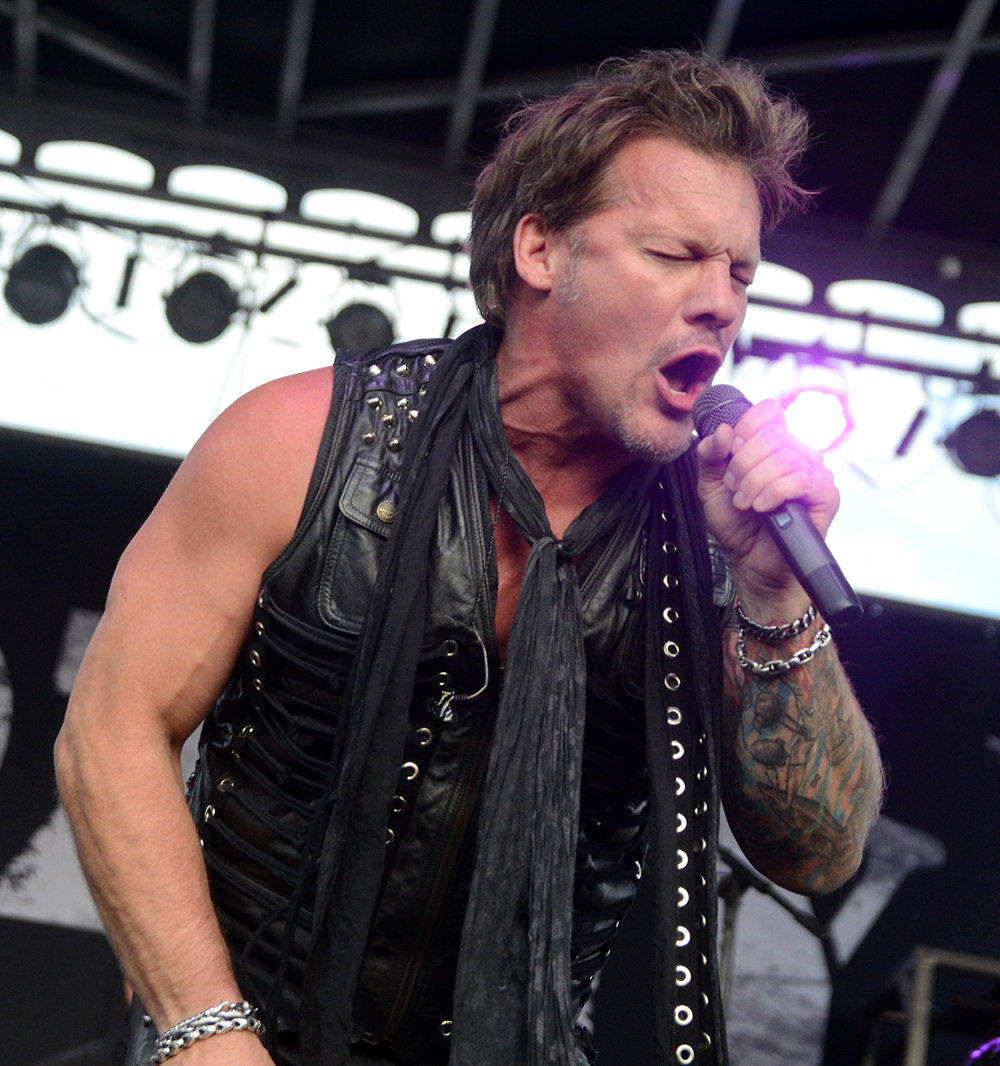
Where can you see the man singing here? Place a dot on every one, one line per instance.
(459, 621)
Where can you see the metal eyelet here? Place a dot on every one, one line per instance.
(260, 599)
(683, 936)
(698, 846)
(680, 786)
(685, 1054)
(704, 1042)
(671, 649)
(424, 736)
(259, 629)
(443, 679)
(669, 547)
(682, 822)
(678, 749)
(701, 809)
(450, 648)
(227, 784)
(682, 859)
(683, 976)
(670, 615)
(255, 659)
(683, 896)
(209, 812)
(390, 836)
(258, 685)
(397, 804)
(445, 1028)
(410, 769)
(673, 682)
(683, 1014)
(246, 730)
(673, 716)
(670, 581)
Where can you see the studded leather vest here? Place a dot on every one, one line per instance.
(267, 749)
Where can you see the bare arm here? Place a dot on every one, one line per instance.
(177, 614)
(802, 779)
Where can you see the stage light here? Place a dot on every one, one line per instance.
(975, 444)
(200, 309)
(818, 416)
(360, 326)
(40, 284)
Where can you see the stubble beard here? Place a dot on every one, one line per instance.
(643, 446)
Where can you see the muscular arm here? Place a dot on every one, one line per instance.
(802, 776)
(176, 617)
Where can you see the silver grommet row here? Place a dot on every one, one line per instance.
(682, 859)
(683, 896)
(683, 936)
(683, 976)
(673, 682)
(678, 749)
(680, 786)
(671, 649)
(670, 615)
(685, 1054)
(682, 822)
(683, 1014)
(673, 716)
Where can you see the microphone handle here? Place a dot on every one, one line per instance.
(812, 563)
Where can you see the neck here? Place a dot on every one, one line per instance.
(567, 458)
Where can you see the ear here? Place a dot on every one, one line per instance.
(538, 250)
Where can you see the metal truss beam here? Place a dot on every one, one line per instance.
(723, 26)
(928, 119)
(26, 47)
(293, 68)
(200, 60)
(470, 80)
(103, 48)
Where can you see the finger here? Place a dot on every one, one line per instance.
(755, 487)
(714, 452)
(769, 441)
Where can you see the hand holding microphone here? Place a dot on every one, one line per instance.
(789, 525)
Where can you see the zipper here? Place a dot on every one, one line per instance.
(392, 1031)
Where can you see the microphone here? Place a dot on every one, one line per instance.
(790, 525)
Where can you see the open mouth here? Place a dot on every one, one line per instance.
(688, 376)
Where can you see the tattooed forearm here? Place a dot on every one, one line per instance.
(804, 777)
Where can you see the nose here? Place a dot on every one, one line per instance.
(715, 299)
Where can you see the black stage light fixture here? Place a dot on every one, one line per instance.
(360, 326)
(40, 284)
(975, 444)
(200, 308)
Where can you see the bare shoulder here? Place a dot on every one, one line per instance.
(246, 478)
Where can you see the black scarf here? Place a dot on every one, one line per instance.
(512, 995)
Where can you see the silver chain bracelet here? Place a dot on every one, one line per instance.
(775, 634)
(224, 1017)
(776, 667)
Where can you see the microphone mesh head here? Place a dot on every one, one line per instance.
(719, 405)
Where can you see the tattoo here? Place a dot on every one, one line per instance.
(804, 780)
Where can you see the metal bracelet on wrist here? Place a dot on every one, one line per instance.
(224, 1017)
(775, 634)
(776, 667)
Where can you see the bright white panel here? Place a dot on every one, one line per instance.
(310, 240)
(981, 318)
(228, 185)
(451, 227)
(927, 349)
(434, 261)
(785, 327)
(367, 210)
(885, 299)
(95, 162)
(10, 149)
(781, 284)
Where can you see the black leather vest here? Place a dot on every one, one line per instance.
(268, 748)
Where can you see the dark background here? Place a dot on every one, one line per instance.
(929, 680)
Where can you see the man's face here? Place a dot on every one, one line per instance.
(649, 293)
